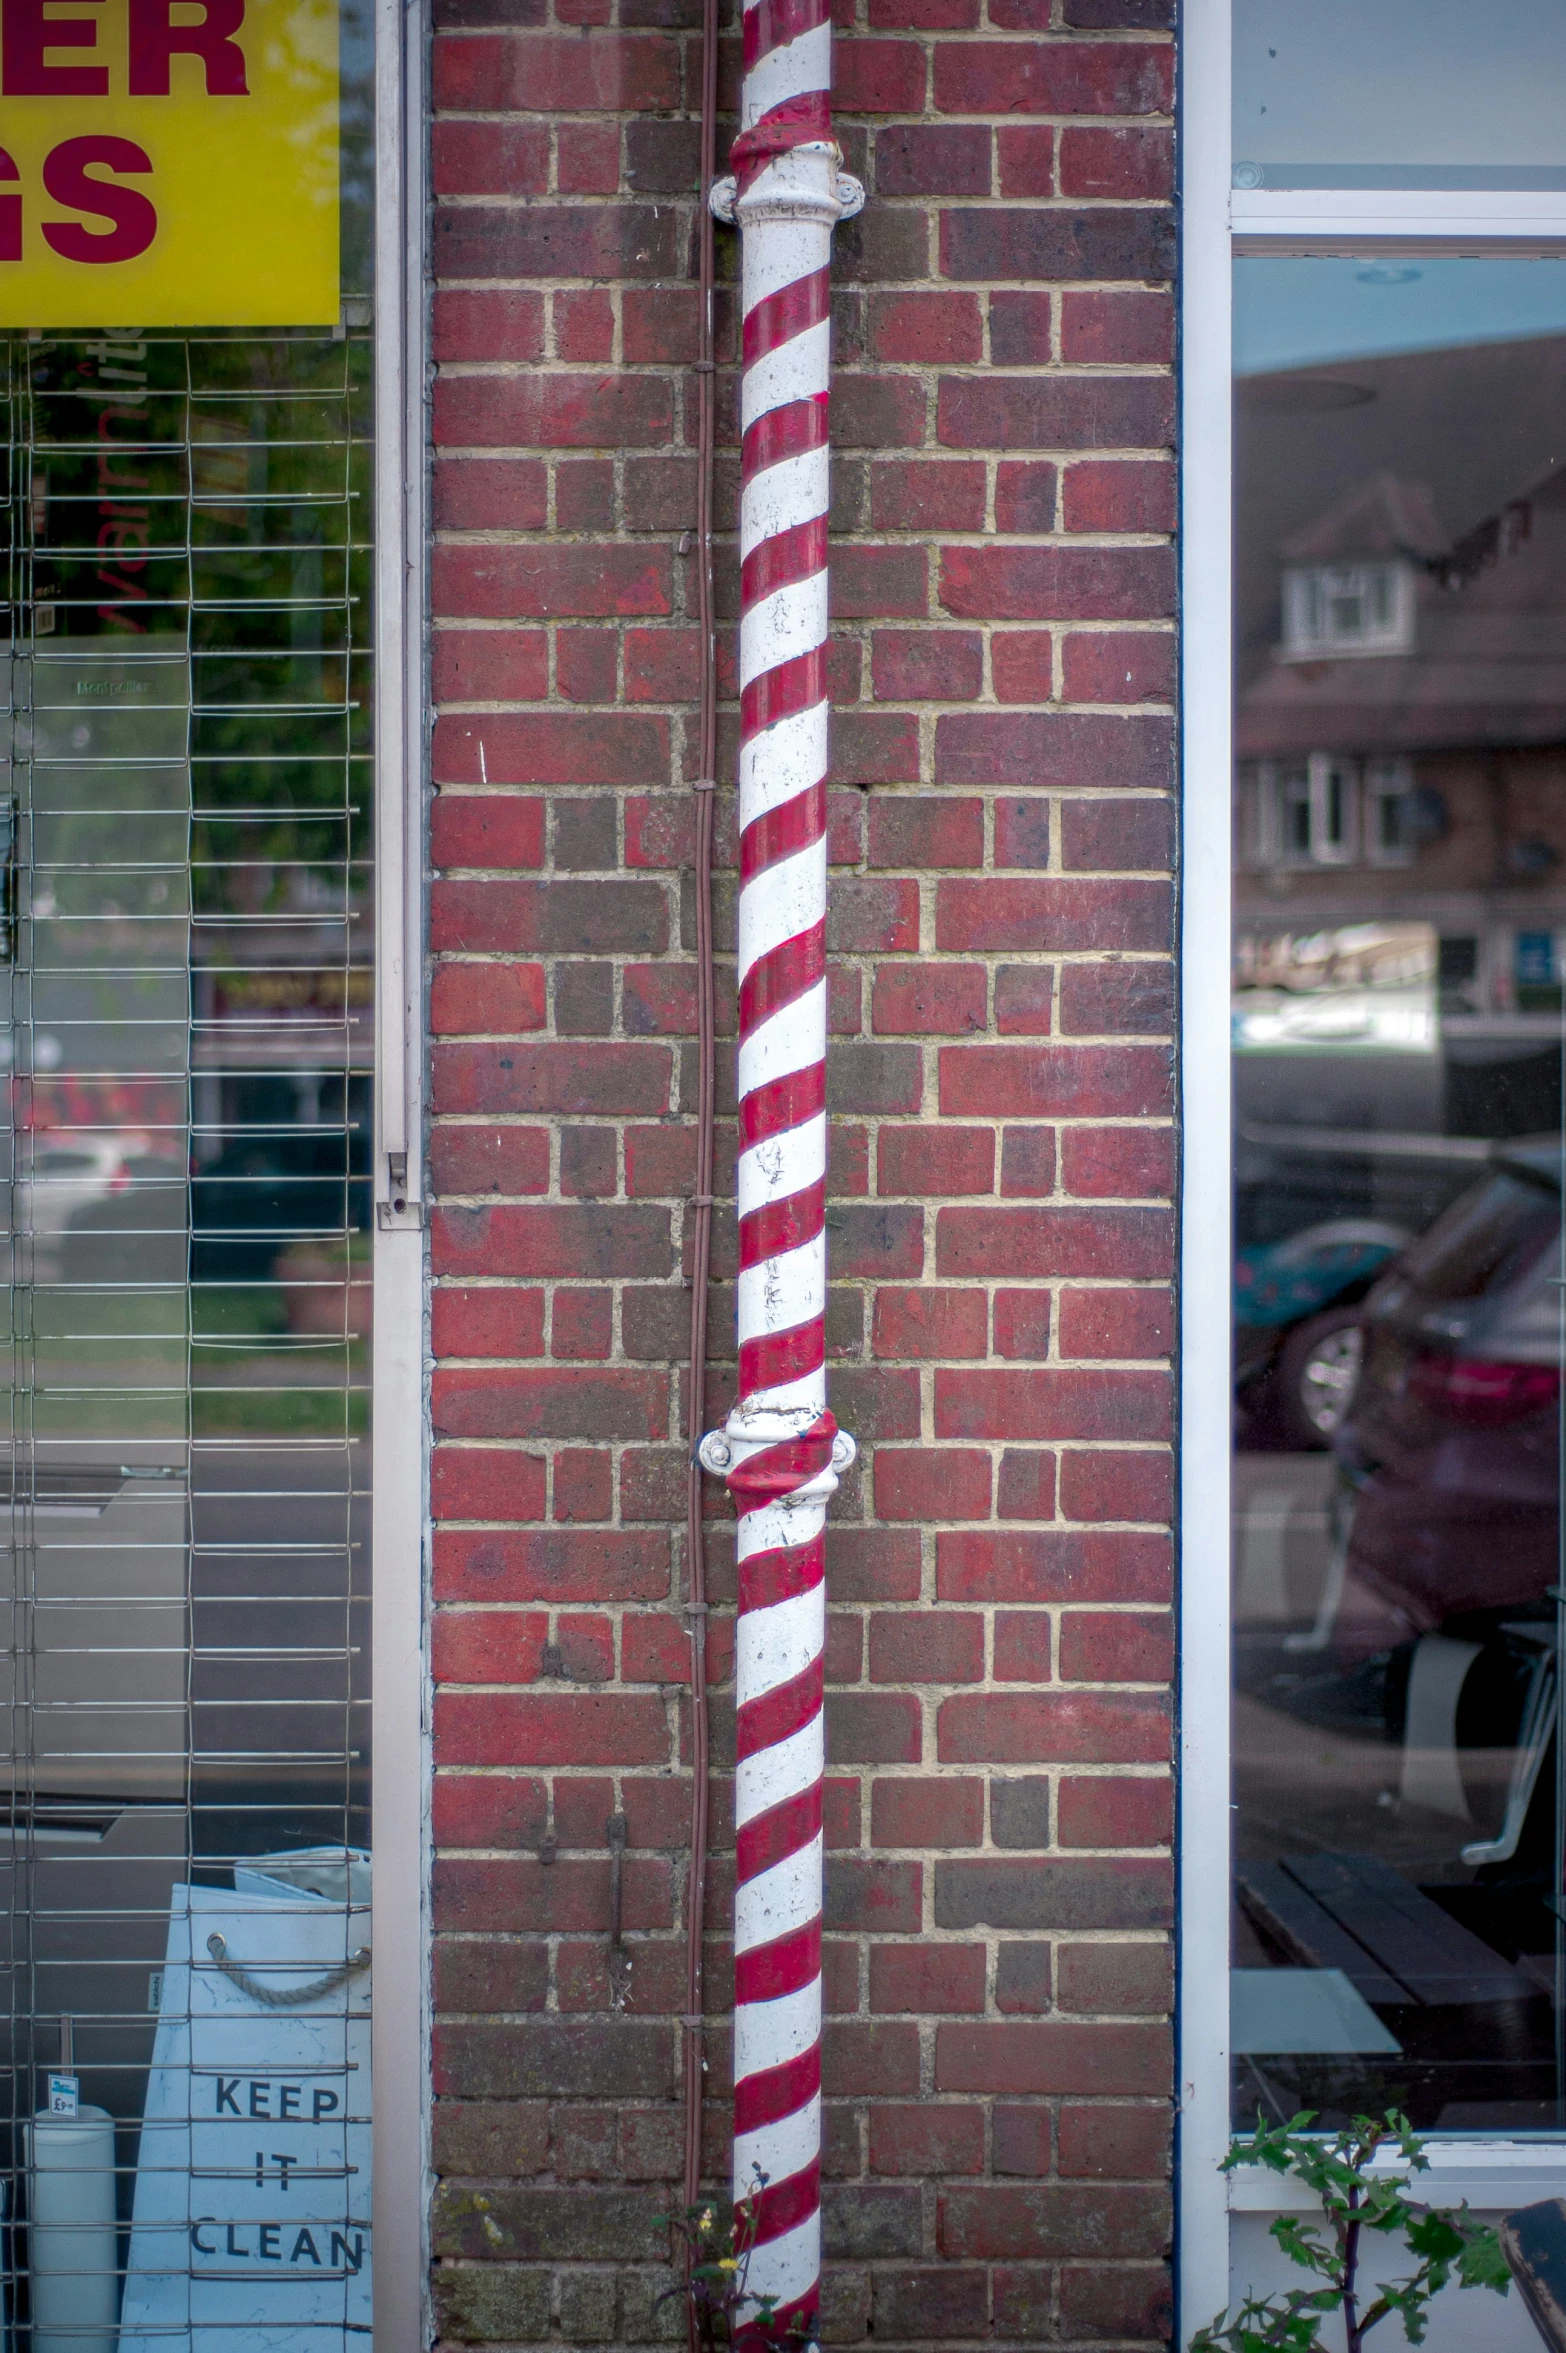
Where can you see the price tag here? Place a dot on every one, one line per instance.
(64, 2095)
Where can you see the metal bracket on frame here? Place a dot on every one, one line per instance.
(399, 1215)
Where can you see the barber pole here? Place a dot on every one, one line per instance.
(780, 1449)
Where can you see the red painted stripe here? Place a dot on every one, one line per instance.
(778, 1357)
(783, 2205)
(784, 831)
(781, 1831)
(777, 318)
(782, 1225)
(782, 1103)
(807, 116)
(784, 432)
(784, 692)
(760, 1723)
(777, 2091)
(786, 2324)
(781, 977)
(772, 23)
(769, 1971)
(798, 553)
(778, 1575)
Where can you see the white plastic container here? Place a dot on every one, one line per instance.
(72, 2237)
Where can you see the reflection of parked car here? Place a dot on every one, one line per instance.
(60, 1186)
(1296, 1315)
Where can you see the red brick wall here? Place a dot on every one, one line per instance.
(998, 1881)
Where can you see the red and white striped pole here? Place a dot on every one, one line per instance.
(780, 1449)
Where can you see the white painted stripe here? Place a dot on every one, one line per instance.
(783, 1165)
(779, 1527)
(795, 370)
(807, 1396)
(787, 1769)
(787, 2267)
(785, 494)
(782, 1292)
(772, 1646)
(778, 627)
(783, 760)
(782, 2149)
(782, 901)
(790, 72)
(769, 2034)
(778, 1901)
(791, 1039)
(785, 249)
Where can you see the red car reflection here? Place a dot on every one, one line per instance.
(1451, 1444)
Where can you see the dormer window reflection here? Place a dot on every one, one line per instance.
(1334, 610)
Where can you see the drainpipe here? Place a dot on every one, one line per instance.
(780, 1450)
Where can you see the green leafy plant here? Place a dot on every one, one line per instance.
(1356, 2196)
(717, 2266)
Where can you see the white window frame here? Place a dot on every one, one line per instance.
(1219, 223)
(400, 2035)
(1393, 636)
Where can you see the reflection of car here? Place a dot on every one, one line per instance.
(1297, 1330)
(59, 1186)
(1451, 1439)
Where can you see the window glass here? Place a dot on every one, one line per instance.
(1399, 94)
(1399, 956)
(186, 974)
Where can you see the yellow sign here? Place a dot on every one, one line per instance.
(168, 163)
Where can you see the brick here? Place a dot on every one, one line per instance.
(1049, 583)
(553, 747)
(926, 1978)
(489, 159)
(1022, 1321)
(1065, 1727)
(504, 1322)
(932, 159)
(609, 917)
(629, 1079)
(486, 2139)
(878, 77)
(491, 999)
(875, 1564)
(488, 1646)
(911, 2306)
(1024, 1978)
(478, 2303)
(1021, 2140)
(598, 411)
(486, 1483)
(1120, 495)
(938, 1160)
(943, 1812)
(1109, 1163)
(1063, 411)
(586, 1239)
(873, 1727)
(480, 1159)
(589, 158)
(1021, 325)
(1022, 665)
(1027, 495)
(1133, 751)
(537, 73)
(491, 494)
(549, 1728)
(879, 412)
(1031, 1566)
(927, 494)
(586, 661)
(928, 1000)
(928, 329)
(976, 1244)
(1054, 2057)
(1116, 1486)
(487, 830)
(584, 494)
(1100, 2301)
(659, 324)
(1115, 1646)
(929, 1646)
(662, 158)
(1121, 329)
(1112, 998)
(1123, 666)
(1114, 835)
(1051, 2218)
(493, 325)
(1040, 1082)
(865, 2058)
(871, 915)
(1056, 246)
(922, 2142)
(1025, 1491)
(1024, 1008)
(1124, 164)
(928, 1323)
(583, 1476)
(879, 583)
(525, 583)
(926, 830)
(1116, 1979)
(941, 666)
(1109, 1323)
(558, 2224)
(1026, 152)
(620, 1402)
(1048, 77)
(870, 1894)
(1105, 1810)
(1022, 1642)
(1027, 1165)
(1020, 1812)
(489, 666)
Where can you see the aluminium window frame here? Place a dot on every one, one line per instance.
(400, 1712)
(1219, 224)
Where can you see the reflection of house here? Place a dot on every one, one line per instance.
(1401, 721)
